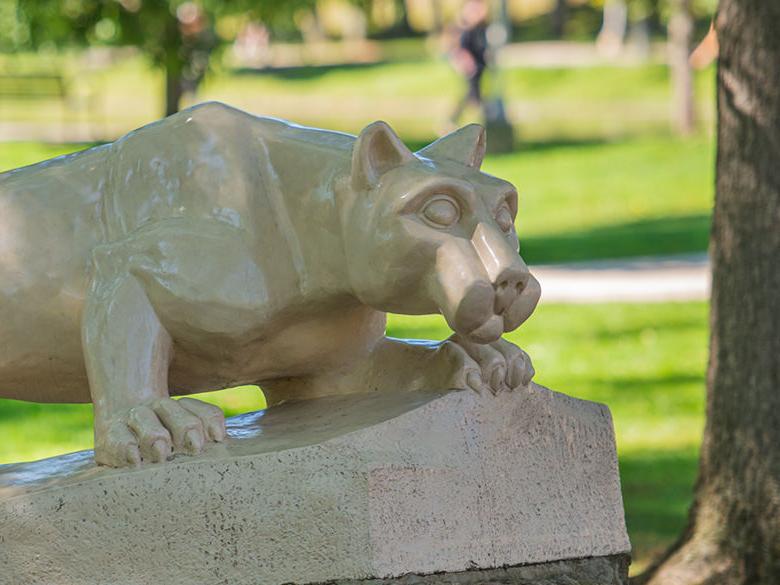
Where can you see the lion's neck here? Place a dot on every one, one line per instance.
(310, 220)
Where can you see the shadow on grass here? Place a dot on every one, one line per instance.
(657, 492)
(621, 384)
(14, 410)
(526, 147)
(533, 146)
(679, 325)
(658, 236)
(305, 72)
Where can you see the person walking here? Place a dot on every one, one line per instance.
(470, 55)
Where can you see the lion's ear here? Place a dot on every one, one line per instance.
(376, 151)
(466, 146)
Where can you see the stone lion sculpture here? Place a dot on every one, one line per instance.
(216, 248)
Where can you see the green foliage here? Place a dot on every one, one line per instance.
(176, 35)
(147, 24)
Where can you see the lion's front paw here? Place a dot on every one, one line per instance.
(502, 365)
(152, 432)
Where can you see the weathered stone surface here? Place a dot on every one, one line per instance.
(611, 570)
(351, 487)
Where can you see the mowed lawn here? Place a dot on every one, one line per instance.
(598, 172)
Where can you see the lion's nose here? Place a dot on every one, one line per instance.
(507, 272)
(512, 279)
(509, 285)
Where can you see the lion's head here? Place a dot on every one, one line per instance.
(429, 232)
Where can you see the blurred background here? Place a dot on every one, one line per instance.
(600, 111)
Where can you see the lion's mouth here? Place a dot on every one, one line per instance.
(476, 305)
(482, 323)
(489, 331)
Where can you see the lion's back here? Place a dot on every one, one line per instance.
(200, 163)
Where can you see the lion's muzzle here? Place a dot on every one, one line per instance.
(482, 286)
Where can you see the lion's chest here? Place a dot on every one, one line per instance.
(305, 345)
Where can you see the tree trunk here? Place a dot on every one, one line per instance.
(559, 19)
(171, 60)
(680, 35)
(402, 15)
(613, 28)
(438, 17)
(173, 89)
(733, 536)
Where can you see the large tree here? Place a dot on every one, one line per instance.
(733, 536)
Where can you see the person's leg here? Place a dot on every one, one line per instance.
(475, 87)
(461, 105)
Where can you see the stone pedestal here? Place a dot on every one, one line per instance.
(451, 485)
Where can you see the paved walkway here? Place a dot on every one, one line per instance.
(568, 54)
(660, 279)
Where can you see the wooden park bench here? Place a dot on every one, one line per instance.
(48, 86)
(33, 86)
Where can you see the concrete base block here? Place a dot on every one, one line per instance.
(364, 486)
(611, 570)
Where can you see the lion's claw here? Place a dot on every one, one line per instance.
(502, 365)
(152, 432)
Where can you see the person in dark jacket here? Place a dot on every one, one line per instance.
(470, 55)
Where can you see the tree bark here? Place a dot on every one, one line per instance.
(680, 36)
(173, 90)
(171, 59)
(733, 536)
(402, 15)
(560, 12)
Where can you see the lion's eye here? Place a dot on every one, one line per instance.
(504, 219)
(441, 211)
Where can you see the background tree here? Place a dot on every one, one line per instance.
(681, 22)
(558, 20)
(733, 536)
(176, 35)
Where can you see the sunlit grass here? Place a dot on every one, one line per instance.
(598, 172)
(416, 97)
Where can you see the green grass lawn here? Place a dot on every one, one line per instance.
(582, 200)
(415, 97)
(598, 172)
(646, 362)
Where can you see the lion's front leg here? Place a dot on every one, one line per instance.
(399, 365)
(503, 365)
(127, 353)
